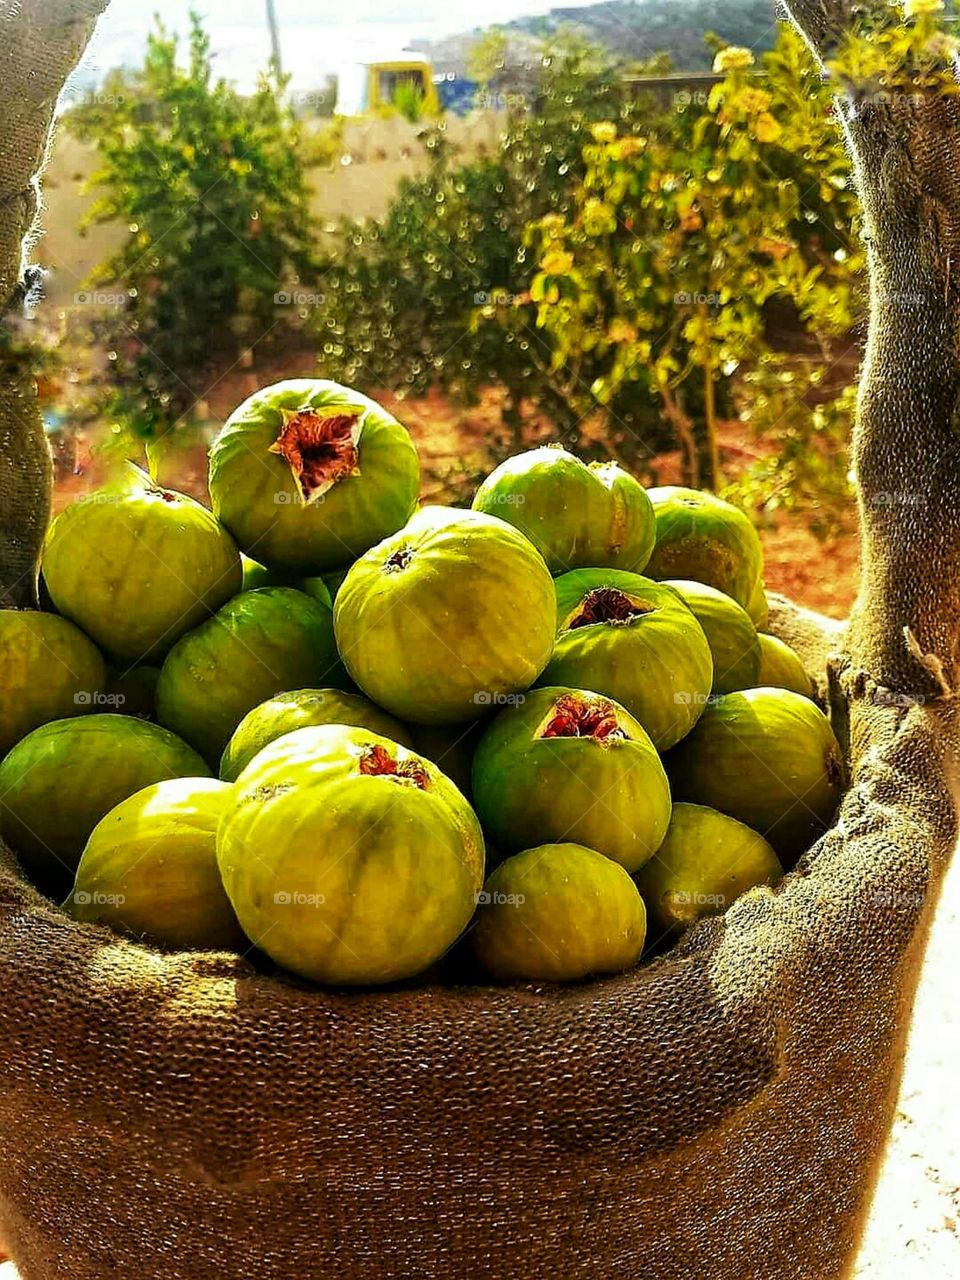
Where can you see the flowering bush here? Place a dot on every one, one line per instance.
(676, 242)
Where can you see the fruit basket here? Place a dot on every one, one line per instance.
(717, 1111)
(167, 1115)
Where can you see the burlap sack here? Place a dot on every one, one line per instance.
(717, 1114)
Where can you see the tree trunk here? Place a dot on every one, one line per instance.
(710, 449)
(686, 438)
(40, 43)
(906, 450)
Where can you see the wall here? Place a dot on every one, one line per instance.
(376, 155)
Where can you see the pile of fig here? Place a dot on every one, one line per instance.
(361, 741)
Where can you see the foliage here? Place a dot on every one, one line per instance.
(659, 277)
(405, 298)
(807, 471)
(211, 187)
(487, 56)
(619, 262)
(408, 101)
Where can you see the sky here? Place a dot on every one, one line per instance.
(317, 36)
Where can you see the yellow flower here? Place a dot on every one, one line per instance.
(628, 147)
(605, 131)
(598, 218)
(557, 263)
(621, 331)
(919, 8)
(766, 128)
(551, 223)
(733, 58)
(752, 100)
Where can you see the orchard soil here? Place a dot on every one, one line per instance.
(458, 446)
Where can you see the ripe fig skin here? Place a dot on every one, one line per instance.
(59, 781)
(654, 659)
(700, 536)
(558, 913)
(49, 670)
(767, 757)
(608, 793)
(450, 617)
(781, 667)
(136, 566)
(759, 607)
(259, 644)
(150, 868)
(258, 496)
(707, 860)
(578, 515)
(732, 637)
(451, 747)
(302, 709)
(348, 859)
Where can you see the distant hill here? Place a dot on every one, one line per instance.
(638, 29)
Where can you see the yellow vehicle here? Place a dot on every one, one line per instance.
(387, 84)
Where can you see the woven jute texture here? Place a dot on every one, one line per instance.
(716, 1114)
(40, 42)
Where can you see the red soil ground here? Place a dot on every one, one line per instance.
(457, 444)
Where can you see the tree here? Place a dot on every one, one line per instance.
(658, 277)
(212, 188)
(405, 300)
(898, 102)
(487, 56)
